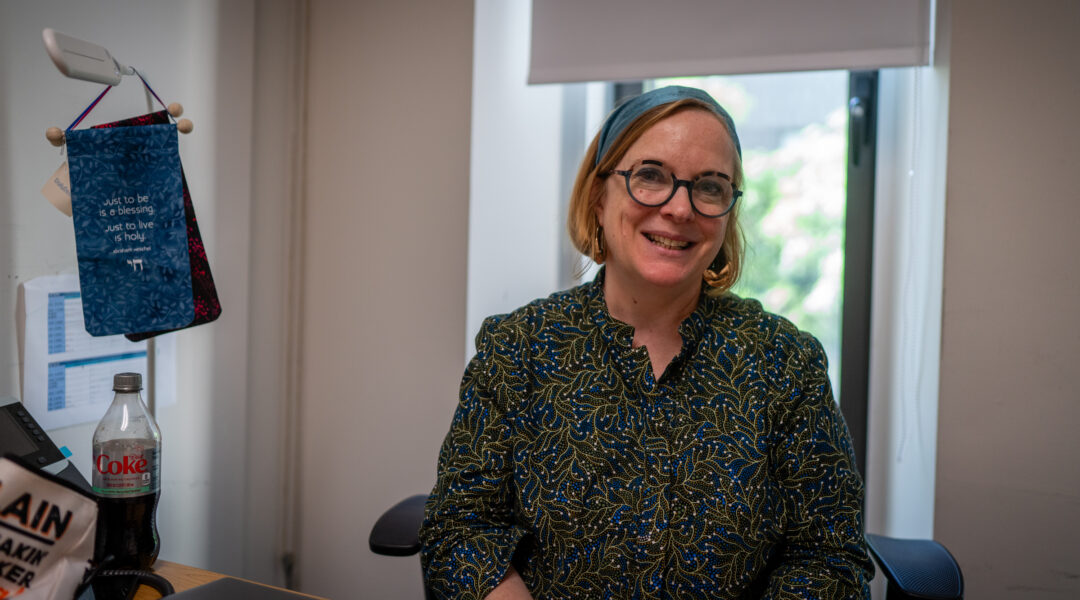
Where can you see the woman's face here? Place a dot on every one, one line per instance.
(667, 247)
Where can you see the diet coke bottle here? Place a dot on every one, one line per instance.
(127, 479)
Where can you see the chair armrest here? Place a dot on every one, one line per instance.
(397, 532)
(917, 569)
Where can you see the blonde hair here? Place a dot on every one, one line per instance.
(581, 219)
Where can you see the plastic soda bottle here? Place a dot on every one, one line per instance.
(126, 476)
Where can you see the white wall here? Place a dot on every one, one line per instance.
(386, 218)
(200, 54)
(1008, 486)
(275, 288)
(514, 203)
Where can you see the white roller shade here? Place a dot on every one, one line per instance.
(613, 40)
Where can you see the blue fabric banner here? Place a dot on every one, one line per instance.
(130, 231)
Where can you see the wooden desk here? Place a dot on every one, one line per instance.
(183, 577)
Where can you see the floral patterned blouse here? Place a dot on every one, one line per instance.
(730, 476)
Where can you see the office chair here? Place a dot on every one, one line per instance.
(915, 569)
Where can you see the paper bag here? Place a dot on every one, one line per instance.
(47, 530)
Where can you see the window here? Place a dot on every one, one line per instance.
(793, 131)
(807, 212)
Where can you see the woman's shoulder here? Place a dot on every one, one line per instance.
(750, 322)
(557, 310)
(512, 340)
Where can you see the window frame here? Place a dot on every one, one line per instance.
(853, 387)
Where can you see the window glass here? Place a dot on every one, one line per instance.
(793, 130)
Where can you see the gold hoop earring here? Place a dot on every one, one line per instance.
(600, 250)
(718, 277)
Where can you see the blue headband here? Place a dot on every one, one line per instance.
(629, 111)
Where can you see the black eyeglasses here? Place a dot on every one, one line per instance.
(712, 195)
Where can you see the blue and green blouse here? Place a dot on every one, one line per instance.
(729, 476)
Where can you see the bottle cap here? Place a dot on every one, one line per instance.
(127, 382)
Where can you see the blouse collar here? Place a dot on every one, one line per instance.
(621, 335)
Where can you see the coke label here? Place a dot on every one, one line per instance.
(126, 467)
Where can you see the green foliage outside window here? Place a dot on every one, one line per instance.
(792, 216)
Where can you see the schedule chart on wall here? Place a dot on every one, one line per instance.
(90, 376)
(67, 373)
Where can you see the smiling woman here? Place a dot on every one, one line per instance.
(656, 255)
(649, 433)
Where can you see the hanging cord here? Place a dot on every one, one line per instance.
(87, 110)
(151, 90)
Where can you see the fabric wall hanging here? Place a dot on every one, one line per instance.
(207, 307)
(143, 268)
